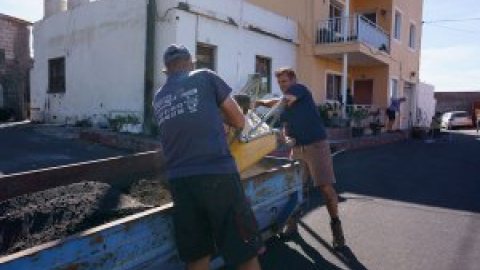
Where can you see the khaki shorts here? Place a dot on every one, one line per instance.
(316, 161)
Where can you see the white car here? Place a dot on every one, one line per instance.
(456, 119)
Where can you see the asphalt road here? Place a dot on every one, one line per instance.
(25, 147)
(411, 205)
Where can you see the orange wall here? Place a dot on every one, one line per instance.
(379, 75)
(312, 69)
(381, 7)
(407, 60)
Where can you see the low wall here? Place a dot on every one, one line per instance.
(136, 143)
(339, 133)
(117, 171)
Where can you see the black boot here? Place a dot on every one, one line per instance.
(337, 233)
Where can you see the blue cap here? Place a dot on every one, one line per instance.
(175, 52)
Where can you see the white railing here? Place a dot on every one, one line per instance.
(360, 29)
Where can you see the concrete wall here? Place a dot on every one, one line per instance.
(103, 43)
(236, 46)
(456, 101)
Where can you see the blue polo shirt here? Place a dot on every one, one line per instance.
(302, 119)
(187, 110)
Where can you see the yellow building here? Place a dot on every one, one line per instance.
(369, 46)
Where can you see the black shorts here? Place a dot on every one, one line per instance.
(212, 214)
(391, 114)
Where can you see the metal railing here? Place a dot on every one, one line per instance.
(359, 29)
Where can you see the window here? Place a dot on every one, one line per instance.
(371, 16)
(263, 67)
(2, 58)
(334, 85)
(205, 56)
(394, 88)
(56, 75)
(335, 14)
(411, 40)
(336, 9)
(397, 31)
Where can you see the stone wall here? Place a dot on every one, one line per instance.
(15, 63)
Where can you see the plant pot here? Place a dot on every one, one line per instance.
(418, 133)
(358, 132)
(376, 131)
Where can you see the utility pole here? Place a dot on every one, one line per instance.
(148, 124)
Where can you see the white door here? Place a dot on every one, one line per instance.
(408, 113)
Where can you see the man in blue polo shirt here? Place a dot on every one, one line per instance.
(211, 212)
(304, 127)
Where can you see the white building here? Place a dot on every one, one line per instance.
(90, 55)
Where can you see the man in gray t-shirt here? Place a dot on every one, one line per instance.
(392, 110)
(211, 211)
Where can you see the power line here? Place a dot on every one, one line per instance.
(454, 29)
(451, 20)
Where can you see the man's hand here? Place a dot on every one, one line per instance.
(269, 103)
(290, 99)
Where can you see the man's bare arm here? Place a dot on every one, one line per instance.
(269, 103)
(233, 115)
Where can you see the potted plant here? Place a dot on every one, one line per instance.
(376, 126)
(358, 116)
(420, 128)
(125, 123)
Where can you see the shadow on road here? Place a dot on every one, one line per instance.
(306, 257)
(345, 254)
(281, 256)
(441, 174)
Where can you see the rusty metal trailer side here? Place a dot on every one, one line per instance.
(145, 240)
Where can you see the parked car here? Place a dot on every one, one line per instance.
(456, 119)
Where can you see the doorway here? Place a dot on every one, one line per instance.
(363, 92)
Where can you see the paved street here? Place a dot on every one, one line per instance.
(411, 205)
(25, 147)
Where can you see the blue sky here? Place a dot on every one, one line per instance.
(450, 51)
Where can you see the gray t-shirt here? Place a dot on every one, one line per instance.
(394, 104)
(187, 110)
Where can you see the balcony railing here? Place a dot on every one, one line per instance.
(360, 29)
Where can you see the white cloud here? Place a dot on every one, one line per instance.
(452, 68)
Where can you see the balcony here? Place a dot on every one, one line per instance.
(365, 41)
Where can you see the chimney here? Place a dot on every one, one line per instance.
(76, 3)
(52, 7)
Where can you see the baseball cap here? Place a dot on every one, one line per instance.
(174, 52)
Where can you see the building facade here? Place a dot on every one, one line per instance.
(457, 101)
(90, 57)
(369, 46)
(15, 63)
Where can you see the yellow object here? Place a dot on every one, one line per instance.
(247, 154)
(261, 141)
